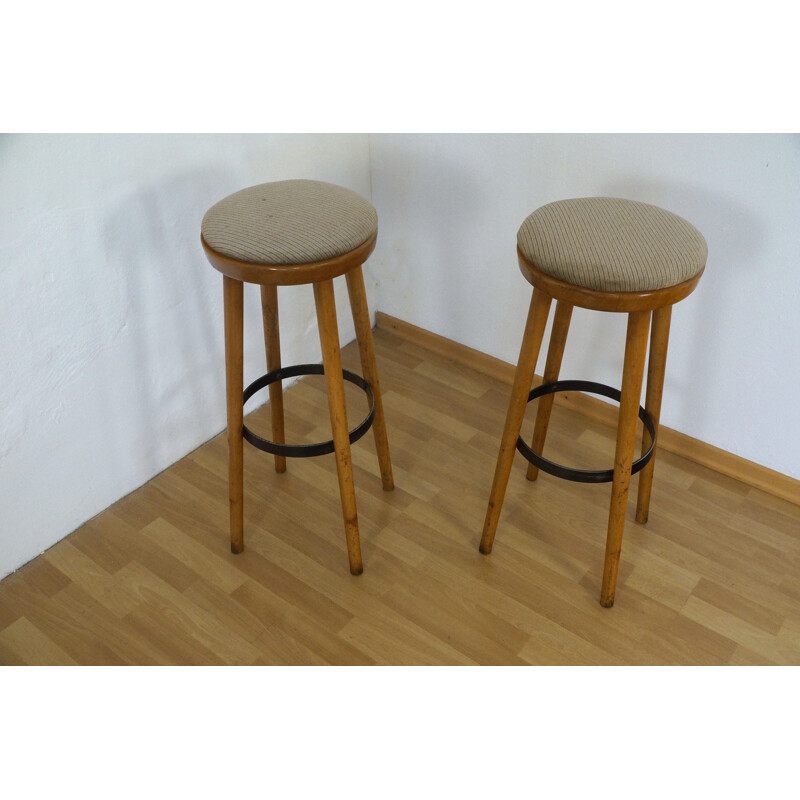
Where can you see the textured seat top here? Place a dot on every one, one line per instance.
(289, 222)
(612, 245)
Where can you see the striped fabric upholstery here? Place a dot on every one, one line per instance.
(289, 222)
(609, 244)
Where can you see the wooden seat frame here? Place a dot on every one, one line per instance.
(320, 274)
(641, 307)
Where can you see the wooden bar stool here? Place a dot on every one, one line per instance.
(285, 234)
(604, 254)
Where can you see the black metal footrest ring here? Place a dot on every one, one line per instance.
(305, 450)
(584, 475)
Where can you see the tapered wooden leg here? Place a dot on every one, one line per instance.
(656, 365)
(234, 383)
(358, 305)
(332, 361)
(272, 345)
(555, 352)
(633, 370)
(528, 355)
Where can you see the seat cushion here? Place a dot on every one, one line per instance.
(289, 222)
(612, 245)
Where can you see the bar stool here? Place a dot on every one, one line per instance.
(288, 233)
(605, 254)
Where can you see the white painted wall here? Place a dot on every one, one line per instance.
(450, 208)
(111, 326)
(111, 339)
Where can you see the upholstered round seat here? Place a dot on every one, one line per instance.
(612, 245)
(289, 222)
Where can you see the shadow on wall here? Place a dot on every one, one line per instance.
(734, 238)
(172, 381)
(429, 276)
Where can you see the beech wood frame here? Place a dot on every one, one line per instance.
(320, 274)
(640, 307)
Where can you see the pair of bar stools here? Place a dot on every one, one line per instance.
(599, 253)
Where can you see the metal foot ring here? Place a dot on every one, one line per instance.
(305, 450)
(583, 475)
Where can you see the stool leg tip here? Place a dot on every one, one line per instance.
(236, 548)
(356, 570)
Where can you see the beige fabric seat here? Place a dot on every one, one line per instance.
(612, 245)
(289, 222)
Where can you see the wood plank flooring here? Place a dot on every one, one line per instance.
(713, 578)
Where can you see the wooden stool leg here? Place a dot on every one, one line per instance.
(555, 352)
(272, 345)
(528, 355)
(332, 361)
(659, 338)
(358, 305)
(234, 382)
(633, 371)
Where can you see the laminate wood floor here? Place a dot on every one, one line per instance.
(713, 578)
